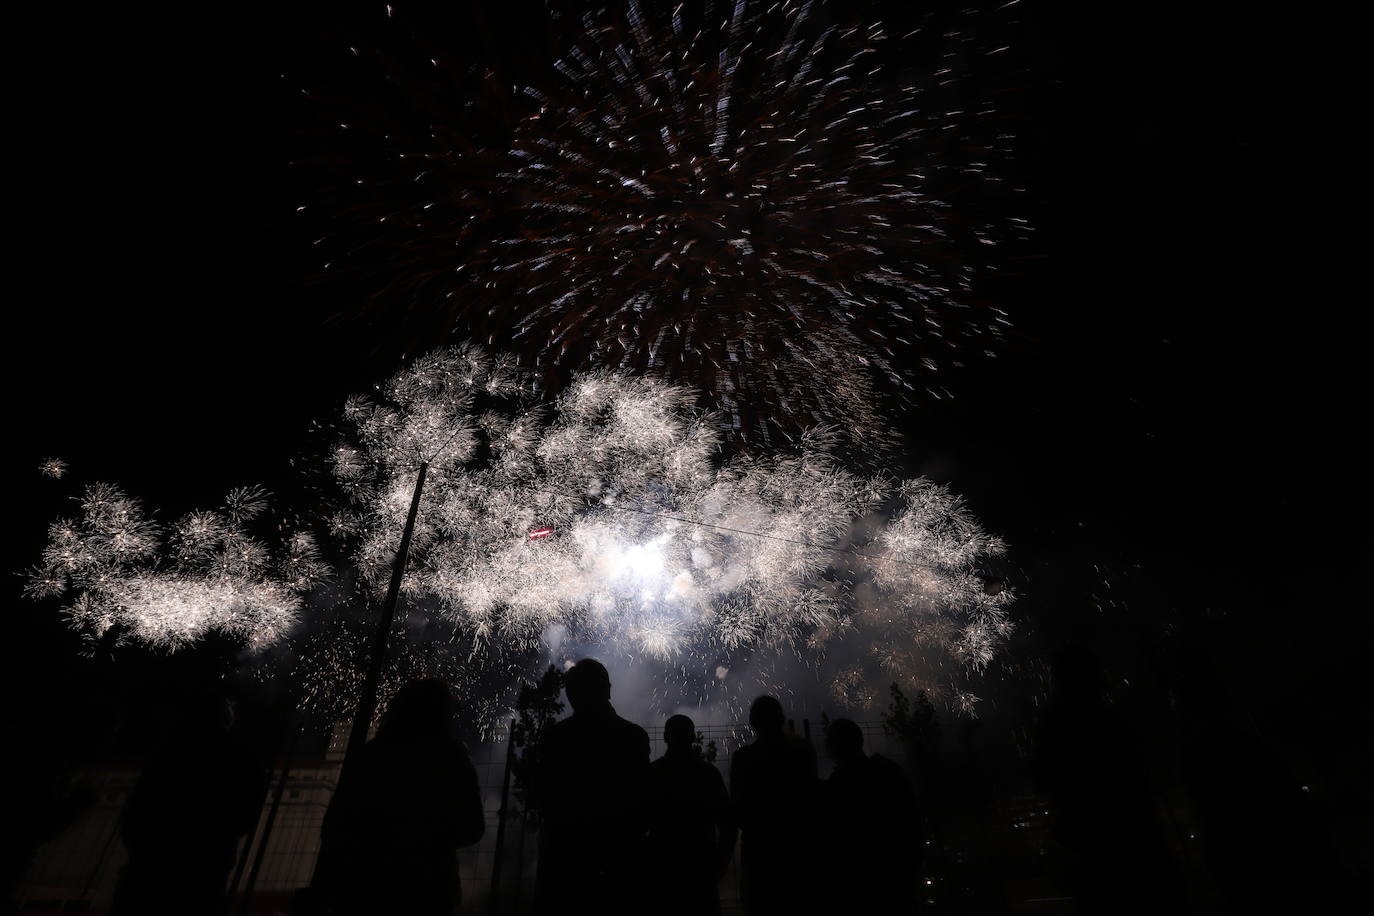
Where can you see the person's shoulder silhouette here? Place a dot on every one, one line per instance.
(874, 838)
(770, 776)
(691, 827)
(590, 785)
(1090, 764)
(399, 817)
(591, 747)
(872, 774)
(199, 793)
(772, 786)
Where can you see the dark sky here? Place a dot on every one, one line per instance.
(1175, 414)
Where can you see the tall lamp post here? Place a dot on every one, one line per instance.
(367, 700)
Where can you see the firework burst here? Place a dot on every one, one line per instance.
(612, 522)
(605, 523)
(56, 468)
(128, 579)
(751, 198)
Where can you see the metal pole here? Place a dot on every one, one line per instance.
(494, 898)
(367, 701)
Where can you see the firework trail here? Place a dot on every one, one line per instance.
(126, 580)
(753, 199)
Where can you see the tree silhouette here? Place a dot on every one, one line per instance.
(538, 706)
(914, 723)
(706, 750)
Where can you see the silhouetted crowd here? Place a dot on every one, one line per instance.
(621, 833)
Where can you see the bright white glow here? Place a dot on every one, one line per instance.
(652, 549)
(642, 560)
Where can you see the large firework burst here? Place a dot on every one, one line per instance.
(762, 200)
(613, 525)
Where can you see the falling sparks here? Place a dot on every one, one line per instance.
(325, 669)
(754, 199)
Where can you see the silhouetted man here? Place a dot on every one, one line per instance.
(396, 822)
(1264, 839)
(773, 784)
(196, 797)
(691, 827)
(1090, 765)
(591, 782)
(874, 843)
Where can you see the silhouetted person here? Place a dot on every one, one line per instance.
(691, 827)
(181, 826)
(408, 802)
(773, 786)
(590, 784)
(874, 844)
(1263, 839)
(1089, 764)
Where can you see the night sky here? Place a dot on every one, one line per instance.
(1167, 440)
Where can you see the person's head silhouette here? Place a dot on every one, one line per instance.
(420, 711)
(845, 741)
(678, 733)
(588, 684)
(766, 717)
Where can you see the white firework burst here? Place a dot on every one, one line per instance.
(210, 575)
(614, 518)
